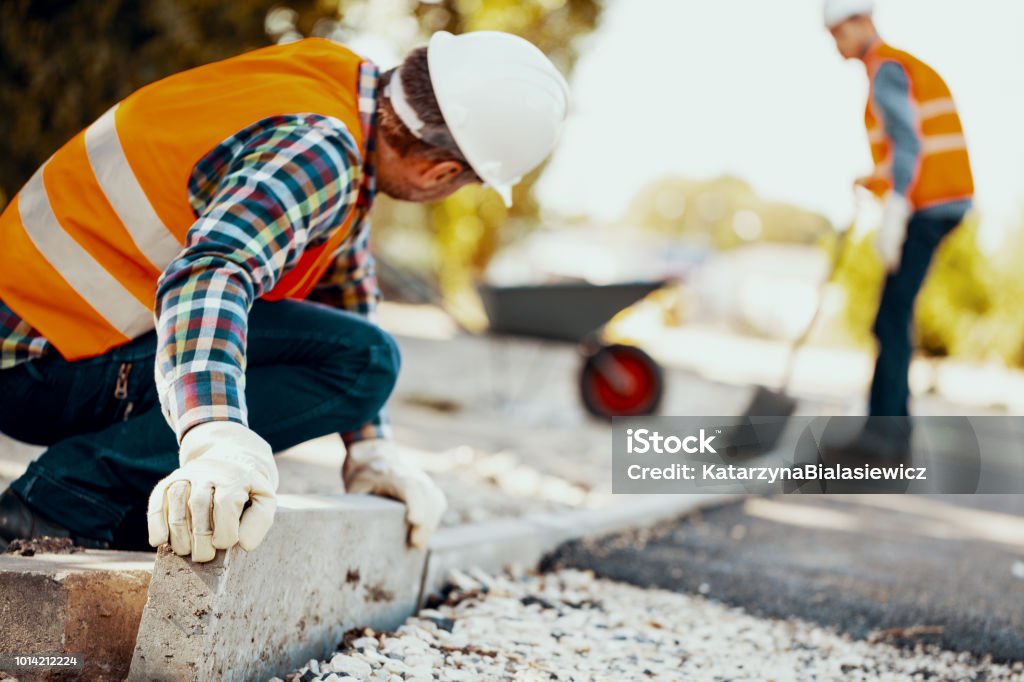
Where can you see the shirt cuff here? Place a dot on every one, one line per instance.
(198, 397)
(378, 429)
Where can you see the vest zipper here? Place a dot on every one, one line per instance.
(121, 388)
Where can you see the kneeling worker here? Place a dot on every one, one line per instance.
(172, 282)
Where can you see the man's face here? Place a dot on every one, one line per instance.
(853, 37)
(417, 179)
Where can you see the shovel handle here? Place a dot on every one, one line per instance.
(837, 259)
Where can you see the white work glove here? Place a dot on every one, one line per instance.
(889, 240)
(378, 467)
(200, 507)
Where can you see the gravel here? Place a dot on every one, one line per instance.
(42, 545)
(569, 625)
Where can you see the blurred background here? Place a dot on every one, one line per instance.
(710, 143)
(715, 142)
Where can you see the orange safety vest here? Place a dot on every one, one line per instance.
(944, 172)
(84, 242)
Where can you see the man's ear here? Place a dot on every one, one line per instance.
(441, 173)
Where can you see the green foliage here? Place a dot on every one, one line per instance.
(969, 307)
(551, 25)
(724, 212)
(860, 275)
(65, 62)
(957, 297)
(471, 225)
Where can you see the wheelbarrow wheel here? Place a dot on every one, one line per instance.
(621, 381)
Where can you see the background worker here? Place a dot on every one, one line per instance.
(153, 332)
(923, 177)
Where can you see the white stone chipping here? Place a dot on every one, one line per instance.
(569, 625)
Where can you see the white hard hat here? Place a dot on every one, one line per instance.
(838, 11)
(502, 99)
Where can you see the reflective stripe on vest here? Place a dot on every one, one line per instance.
(938, 144)
(88, 237)
(937, 107)
(90, 279)
(125, 194)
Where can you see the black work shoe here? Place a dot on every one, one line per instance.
(19, 522)
(883, 445)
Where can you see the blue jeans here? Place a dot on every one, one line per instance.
(890, 389)
(311, 371)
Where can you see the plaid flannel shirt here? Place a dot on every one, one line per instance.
(261, 197)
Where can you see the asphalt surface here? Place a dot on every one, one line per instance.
(943, 570)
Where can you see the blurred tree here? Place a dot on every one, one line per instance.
(473, 224)
(64, 62)
(860, 277)
(1008, 297)
(969, 307)
(956, 297)
(725, 212)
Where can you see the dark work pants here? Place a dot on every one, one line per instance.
(311, 371)
(890, 388)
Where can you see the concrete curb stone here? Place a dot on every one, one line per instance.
(498, 545)
(88, 603)
(329, 563)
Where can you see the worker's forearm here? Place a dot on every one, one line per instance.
(892, 97)
(905, 159)
(202, 318)
(287, 187)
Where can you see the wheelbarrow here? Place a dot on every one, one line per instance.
(615, 379)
